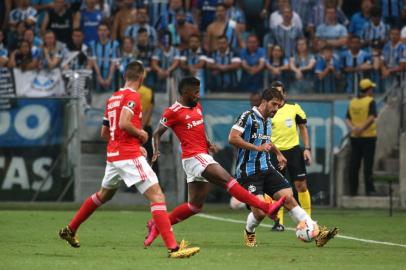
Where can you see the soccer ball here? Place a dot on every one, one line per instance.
(307, 230)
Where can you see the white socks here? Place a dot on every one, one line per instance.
(252, 223)
(297, 214)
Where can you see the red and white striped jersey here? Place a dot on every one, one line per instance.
(187, 123)
(122, 145)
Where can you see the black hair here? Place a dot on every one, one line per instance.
(376, 11)
(187, 82)
(142, 30)
(276, 84)
(271, 93)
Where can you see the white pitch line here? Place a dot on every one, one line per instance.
(292, 229)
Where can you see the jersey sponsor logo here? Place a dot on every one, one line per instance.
(113, 154)
(289, 123)
(260, 136)
(194, 124)
(113, 104)
(252, 188)
(116, 97)
(131, 104)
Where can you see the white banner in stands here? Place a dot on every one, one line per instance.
(39, 84)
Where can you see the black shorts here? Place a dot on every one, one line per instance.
(296, 164)
(269, 182)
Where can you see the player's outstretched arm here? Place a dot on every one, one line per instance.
(156, 140)
(126, 125)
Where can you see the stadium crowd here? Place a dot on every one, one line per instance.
(322, 46)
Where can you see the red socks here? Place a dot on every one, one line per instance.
(87, 208)
(182, 212)
(241, 194)
(161, 219)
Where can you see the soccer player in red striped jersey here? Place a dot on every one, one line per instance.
(186, 120)
(122, 127)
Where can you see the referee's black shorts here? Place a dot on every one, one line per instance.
(269, 182)
(296, 166)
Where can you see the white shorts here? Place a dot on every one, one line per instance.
(132, 171)
(194, 167)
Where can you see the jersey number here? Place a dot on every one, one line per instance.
(112, 121)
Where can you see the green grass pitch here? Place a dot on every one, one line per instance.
(112, 239)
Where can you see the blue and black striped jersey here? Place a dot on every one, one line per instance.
(256, 130)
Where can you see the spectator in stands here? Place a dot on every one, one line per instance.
(128, 55)
(360, 18)
(277, 65)
(42, 7)
(393, 55)
(22, 58)
(103, 56)
(181, 30)
(331, 31)
(256, 13)
(59, 19)
(168, 16)
(252, 63)
(355, 63)
(328, 71)
(30, 36)
(3, 51)
(164, 62)
(318, 14)
(5, 7)
(124, 17)
(22, 13)
(144, 50)
(88, 21)
(304, 9)
(286, 34)
(377, 62)
(276, 17)
(155, 9)
(205, 13)
(222, 26)
(234, 13)
(193, 60)
(374, 30)
(52, 51)
(142, 22)
(393, 11)
(302, 64)
(76, 44)
(14, 37)
(223, 65)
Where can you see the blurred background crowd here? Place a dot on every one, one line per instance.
(313, 46)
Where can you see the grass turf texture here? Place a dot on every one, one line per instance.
(112, 239)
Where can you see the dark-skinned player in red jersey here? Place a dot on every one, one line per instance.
(185, 118)
(122, 127)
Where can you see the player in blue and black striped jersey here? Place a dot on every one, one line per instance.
(251, 134)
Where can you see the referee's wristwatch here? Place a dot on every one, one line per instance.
(308, 148)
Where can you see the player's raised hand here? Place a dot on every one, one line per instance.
(265, 147)
(281, 161)
(155, 156)
(143, 136)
